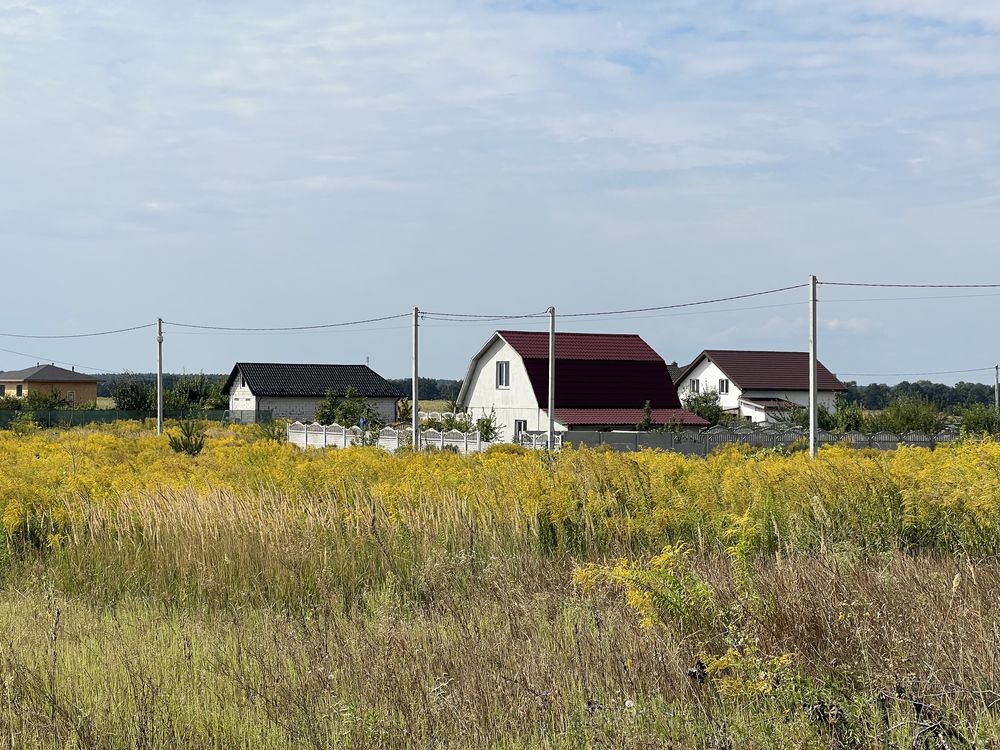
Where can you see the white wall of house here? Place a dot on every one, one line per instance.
(303, 408)
(511, 404)
(300, 408)
(710, 378)
(241, 398)
(826, 399)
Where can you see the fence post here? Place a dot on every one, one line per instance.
(466, 442)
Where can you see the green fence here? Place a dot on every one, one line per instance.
(78, 417)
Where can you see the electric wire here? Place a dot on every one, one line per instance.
(76, 335)
(682, 304)
(908, 286)
(288, 328)
(916, 374)
(40, 359)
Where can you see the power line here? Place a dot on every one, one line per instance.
(76, 335)
(682, 304)
(919, 297)
(903, 374)
(483, 318)
(289, 328)
(910, 286)
(39, 358)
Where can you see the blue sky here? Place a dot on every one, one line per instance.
(267, 164)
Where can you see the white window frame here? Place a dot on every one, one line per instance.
(503, 374)
(723, 385)
(520, 426)
(694, 386)
(71, 398)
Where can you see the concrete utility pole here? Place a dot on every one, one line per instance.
(415, 416)
(159, 376)
(813, 385)
(552, 377)
(996, 389)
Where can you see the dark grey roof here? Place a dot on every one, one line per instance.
(676, 371)
(48, 374)
(278, 379)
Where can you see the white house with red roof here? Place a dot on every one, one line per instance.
(759, 386)
(602, 380)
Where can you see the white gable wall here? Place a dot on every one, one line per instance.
(241, 398)
(708, 376)
(510, 404)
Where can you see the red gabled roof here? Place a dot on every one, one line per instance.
(767, 371)
(631, 417)
(594, 346)
(595, 370)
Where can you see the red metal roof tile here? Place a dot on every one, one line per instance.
(617, 346)
(768, 371)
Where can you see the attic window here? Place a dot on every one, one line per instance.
(693, 385)
(243, 380)
(723, 385)
(503, 374)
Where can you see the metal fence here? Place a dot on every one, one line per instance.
(65, 418)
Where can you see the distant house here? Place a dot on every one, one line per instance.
(293, 391)
(758, 386)
(601, 380)
(72, 386)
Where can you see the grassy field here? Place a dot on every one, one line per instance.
(259, 596)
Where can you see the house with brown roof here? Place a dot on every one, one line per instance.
(759, 386)
(71, 386)
(601, 381)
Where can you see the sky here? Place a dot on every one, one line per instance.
(263, 164)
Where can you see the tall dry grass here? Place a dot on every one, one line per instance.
(258, 596)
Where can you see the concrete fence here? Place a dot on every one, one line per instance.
(388, 438)
(706, 441)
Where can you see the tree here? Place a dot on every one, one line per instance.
(706, 405)
(646, 423)
(907, 414)
(195, 392)
(347, 410)
(404, 409)
(40, 400)
(131, 393)
(980, 419)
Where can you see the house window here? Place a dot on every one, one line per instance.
(693, 385)
(19, 390)
(71, 398)
(520, 425)
(503, 374)
(3, 389)
(723, 385)
(243, 380)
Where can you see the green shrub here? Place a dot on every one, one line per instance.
(191, 439)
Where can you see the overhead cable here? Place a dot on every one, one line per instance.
(76, 335)
(289, 328)
(41, 359)
(902, 374)
(683, 304)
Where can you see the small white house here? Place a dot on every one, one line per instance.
(601, 381)
(293, 391)
(759, 386)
